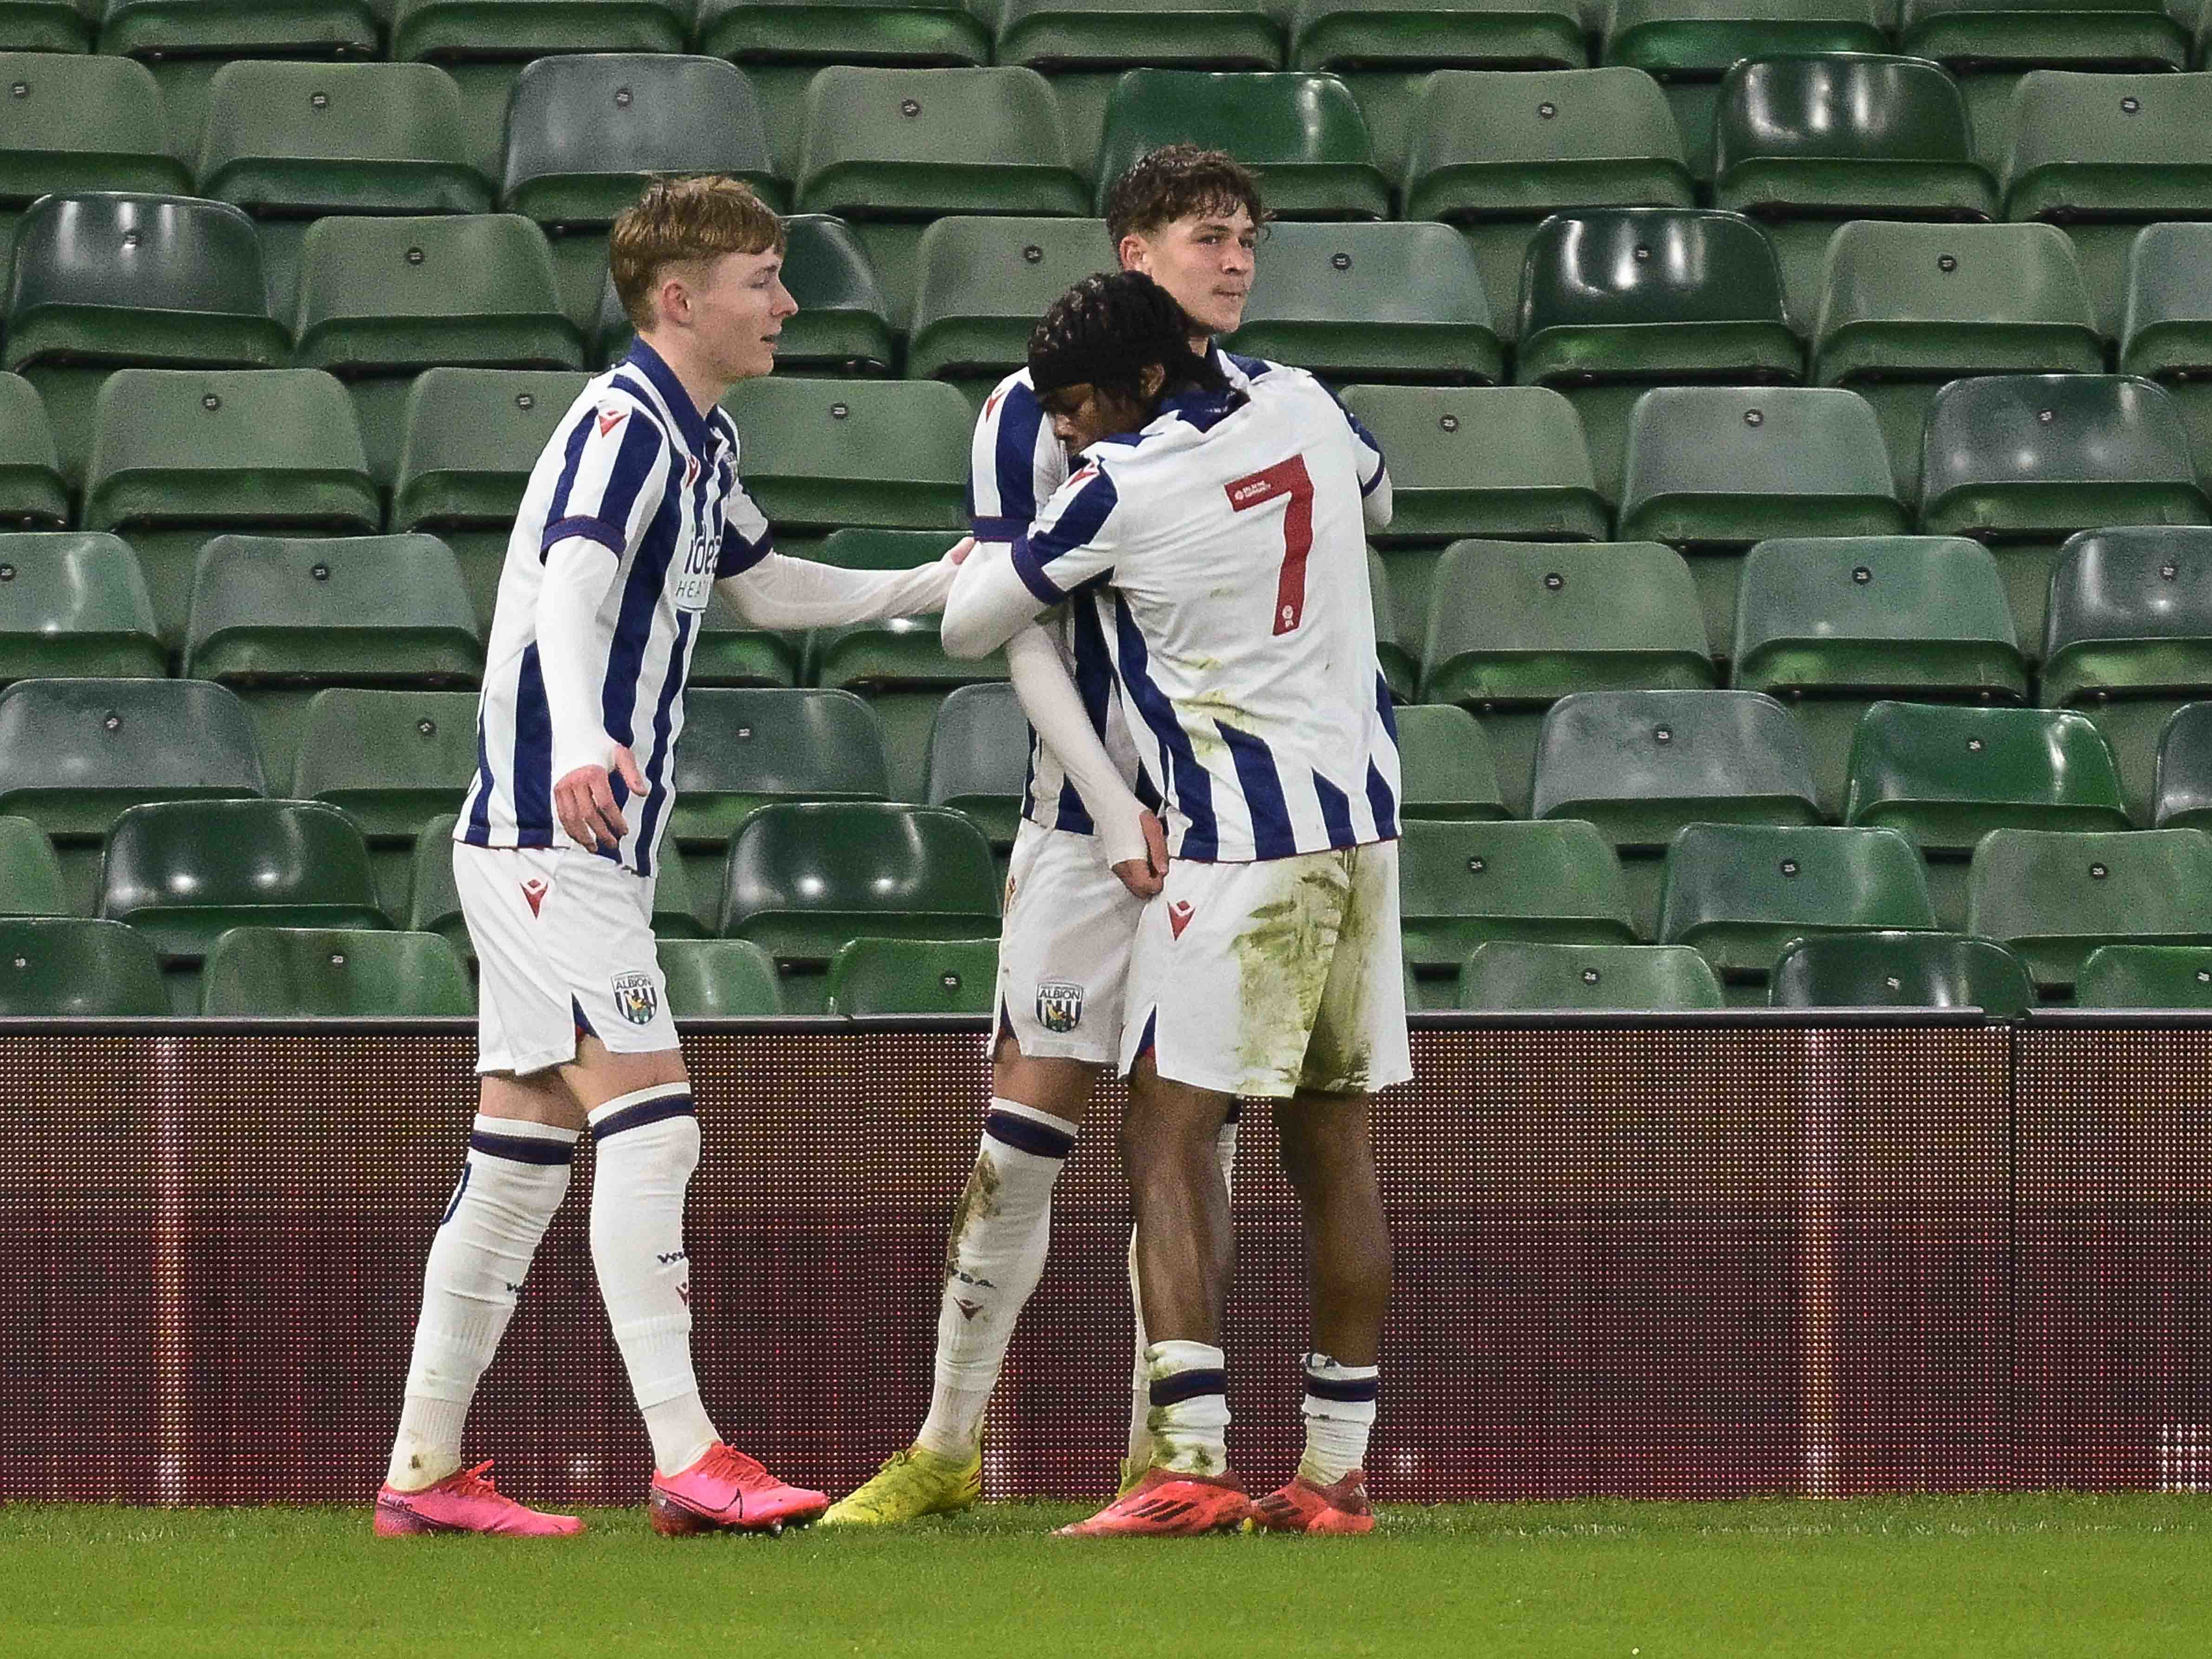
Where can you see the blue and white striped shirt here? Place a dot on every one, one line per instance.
(635, 467)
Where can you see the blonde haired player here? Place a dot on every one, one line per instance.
(633, 517)
(1192, 220)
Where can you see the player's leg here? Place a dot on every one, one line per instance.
(1359, 1044)
(513, 1181)
(1063, 958)
(630, 1075)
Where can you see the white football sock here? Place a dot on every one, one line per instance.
(1189, 1392)
(512, 1183)
(1340, 1413)
(993, 1258)
(647, 1145)
(1140, 1397)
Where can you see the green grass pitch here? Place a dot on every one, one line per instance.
(1926, 1577)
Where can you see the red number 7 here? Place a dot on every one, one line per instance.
(1284, 478)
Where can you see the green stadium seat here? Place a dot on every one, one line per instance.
(844, 31)
(73, 603)
(2054, 895)
(1510, 975)
(2130, 639)
(907, 976)
(1396, 653)
(388, 759)
(451, 29)
(1481, 461)
(731, 651)
(743, 749)
(434, 899)
(390, 610)
(2165, 322)
(1830, 624)
(1513, 627)
(900, 666)
(919, 142)
(1652, 293)
(719, 978)
(1991, 34)
(584, 133)
(1739, 893)
(803, 880)
(2104, 154)
(237, 446)
(820, 454)
(49, 25)
(1905, 307)
(74, 967)
(185, 873)
(2027, 460)
(1945, 776)
(30, 874)
(1492, 154)
(1901, 970)
(378, 294)
(297, 139)
(1714, 469)
(163, 29)
(1102, 34)
(1846, 137)
(83, 124)
(2184, 770)
(1303, 132)
(1371, 302)
(332, 973)
(32, 494)
(978, 759)
(1803, 143)
(1699, 39)
(472, 436)
(1615, 299)
(1417, 35)
(1641, 764)
(2113, 976)
(75, 754)
(1461, 885)
(1445, 765)
(155, 280)
(981, 283)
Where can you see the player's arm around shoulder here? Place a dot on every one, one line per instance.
(770, 589)
(1375, 508)
(1008, 584)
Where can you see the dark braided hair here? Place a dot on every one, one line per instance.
(1107, 330)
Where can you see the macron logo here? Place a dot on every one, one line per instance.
(534, 891)
(610, 419)
(1179, 915)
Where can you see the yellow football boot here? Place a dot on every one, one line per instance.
(912, 1483)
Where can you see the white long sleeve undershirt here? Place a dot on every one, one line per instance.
(1055, 708)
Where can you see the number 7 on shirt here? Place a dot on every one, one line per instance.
(1284, 479)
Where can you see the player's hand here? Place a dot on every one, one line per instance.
(958, 552)
(584, 801)
(1146, 877)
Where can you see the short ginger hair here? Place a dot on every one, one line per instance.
(682, 221)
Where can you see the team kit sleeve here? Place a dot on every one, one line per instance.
(1005, 586)
(611, 480)
(771, 589)
(1014, 463)
(1375, 504)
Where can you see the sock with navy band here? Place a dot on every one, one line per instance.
(512, 1183)
(1189, 1387)
(1340, 1413)
(647, 1146)
(1140, 1385)
(994, 1257)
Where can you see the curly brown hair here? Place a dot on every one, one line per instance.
(1175, 182)
(680, 220)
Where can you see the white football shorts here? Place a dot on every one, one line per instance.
(1274, 976)
(1064, 948)
(564, 945)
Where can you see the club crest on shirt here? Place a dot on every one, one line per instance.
(1059, 1004)
(635, 998)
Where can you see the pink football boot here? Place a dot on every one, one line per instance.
(1168, 1504)
(727, 1490)
(1303, 1505)
(465, 1501)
